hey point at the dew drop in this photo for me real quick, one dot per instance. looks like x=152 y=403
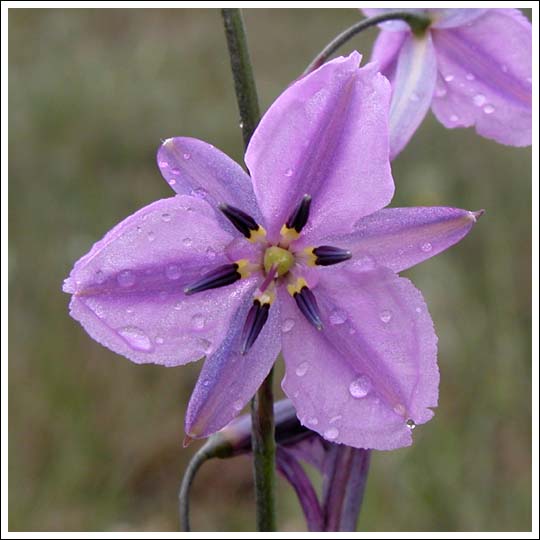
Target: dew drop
x=178 y=306
x=337 y=317
x=440 y=91
x=288 y=325
x=176 y=170
x=129 y=310
x=187 y=242
x=411 y=424
x=198 y=321
x=126 y=278
x=200 y=192
x=151 y=236
x=454 y=118
x=172 y=181
x=187 y=156
x=206 y=382
x=166 y=217
x=400 y=409
x=489 y=109
x=159 y=340
x=241 y=125
x=238 y=406
x=331 y=433
x=313 y=421
x=418 y=310
x=100 y=276
x=449 y=78
x=335 y=419
x=205 y=345
x=211 y=253
x=360 y=387
x=470 y=77
x=426 y=247
x=385 y=316
x=302 y=369
x=163 y=164
x=289 y=173
x=172 y=271
x=479 y=100
x=136 y=338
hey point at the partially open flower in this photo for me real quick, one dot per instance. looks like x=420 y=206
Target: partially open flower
x=472 y=66
x=300 y=257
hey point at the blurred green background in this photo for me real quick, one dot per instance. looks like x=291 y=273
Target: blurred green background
x=95 y=441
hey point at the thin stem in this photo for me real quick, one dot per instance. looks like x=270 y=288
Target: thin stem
x=417 y=22
x=244 y=82
x=202 y=455
x=264 y=454
x=262 y=410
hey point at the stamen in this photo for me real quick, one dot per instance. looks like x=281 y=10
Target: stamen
x=327 y=255
x=243 y=222
x=255 y=320
x=297 y=220
x=220 y=277
x=306 y=302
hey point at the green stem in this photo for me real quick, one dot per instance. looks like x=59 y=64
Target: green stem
x=262 y=410
x=418 y=24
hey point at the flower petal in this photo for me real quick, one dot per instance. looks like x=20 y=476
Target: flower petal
x=399 y=238
x=229 y=379
x=386 y=51
x=325 y=136
x=371 y=368
x=128 y=290
x=452 y=17
x=194 y=167
x=485 y=76
x=413 y=88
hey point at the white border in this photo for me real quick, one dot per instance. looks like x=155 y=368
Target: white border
x=4 y=268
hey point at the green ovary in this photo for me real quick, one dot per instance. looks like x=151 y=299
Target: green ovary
x=279 y=257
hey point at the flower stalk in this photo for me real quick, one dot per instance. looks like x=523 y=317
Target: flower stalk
x=418 y=24
x=262 y=412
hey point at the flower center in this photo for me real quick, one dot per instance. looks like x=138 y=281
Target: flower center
x=279 y=257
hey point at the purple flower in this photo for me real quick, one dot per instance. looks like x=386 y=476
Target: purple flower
x=473 y=66
x=300 y=258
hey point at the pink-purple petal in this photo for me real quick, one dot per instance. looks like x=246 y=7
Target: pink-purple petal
x=413 y=88
x=373 y=366
x=194 y=167
x=452 y=17
x=229 y=379
x=386 y=51
x=398 y=238
x=485 y=76
x=128 y=290
x=326 y=136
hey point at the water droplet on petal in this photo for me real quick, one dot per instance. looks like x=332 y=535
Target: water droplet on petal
x=479 y=100
x=211 y=253
x=302 y=369
x=337 y=317
x=313 y=421
x=385 y=316
x=426 y=247
x=136 y=338
x=151 y=236
x=163 y=164
x=335 y=419
x=166 y=217
x=126 y=278
x=470 y=77
x=159 y=340
x=449 y=78
x=130 y=310
x=206 y=382
x=288 y=325
x=440 y=91
x=176 y=170
x=331 y=433
x=187 y=242
x=198 y=321
x=418 y=310
x=172 y=271
x=171 y=181
x=289 y=172
x=400 y=409
x=411 y=424
x=454 y=118
x=489 y=109
x=100 y=276
x=238 y=406
x=178 y=306
x=187 y=156
x=360 y=387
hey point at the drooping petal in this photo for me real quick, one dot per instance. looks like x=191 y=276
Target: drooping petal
x=398 y=238
x=412 y=89
x=373 y=366
x=229 y=379
x=386 y=51
x=194 y=167
x=452 y=17
x=485 y=71
x=128 y=290
x=325 y=136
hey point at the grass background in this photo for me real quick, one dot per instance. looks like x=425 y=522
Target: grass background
x=95 y=441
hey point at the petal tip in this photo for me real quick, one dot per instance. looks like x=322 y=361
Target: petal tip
x=475 y=216
x=187 y=441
